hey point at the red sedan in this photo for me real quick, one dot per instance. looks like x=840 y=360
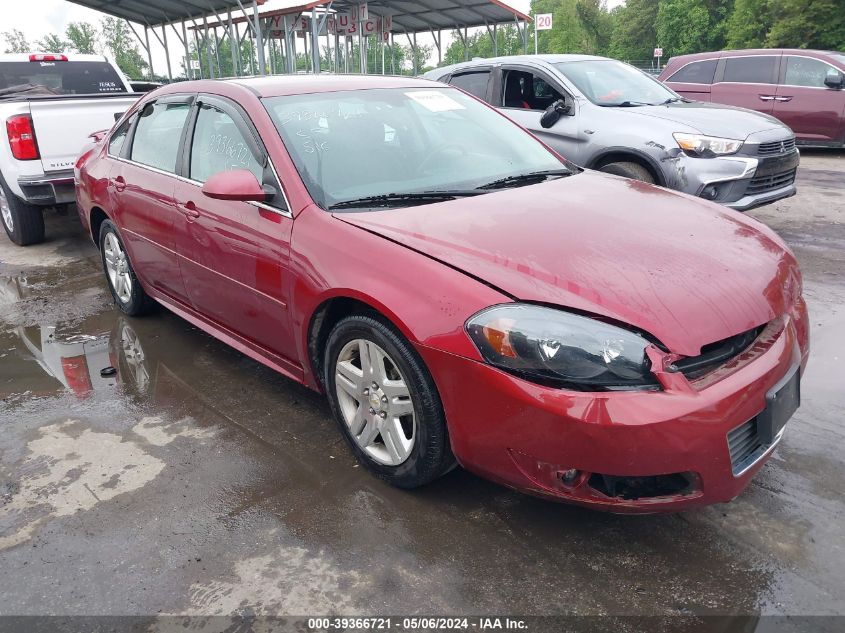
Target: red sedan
x=461 y=293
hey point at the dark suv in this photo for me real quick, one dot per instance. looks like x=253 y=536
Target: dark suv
x=802 y=88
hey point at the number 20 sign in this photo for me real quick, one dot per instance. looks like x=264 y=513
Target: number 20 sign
x=543 y=21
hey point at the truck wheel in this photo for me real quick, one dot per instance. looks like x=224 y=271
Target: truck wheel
x=629 y=170
x=24 y=223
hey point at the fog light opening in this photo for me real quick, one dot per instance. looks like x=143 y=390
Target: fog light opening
x=710 y=192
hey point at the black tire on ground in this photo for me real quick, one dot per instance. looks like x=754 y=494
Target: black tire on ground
x=138 y=301
x=24 y=222
x=633 y=171
x=431 y=454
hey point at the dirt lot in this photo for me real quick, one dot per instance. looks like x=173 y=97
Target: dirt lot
x=196 y=481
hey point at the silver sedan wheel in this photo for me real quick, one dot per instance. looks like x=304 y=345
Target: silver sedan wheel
x=375 y=402
x=6 y=211
x=117 y=268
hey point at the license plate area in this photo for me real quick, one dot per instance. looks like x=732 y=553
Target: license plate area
x=782 y=401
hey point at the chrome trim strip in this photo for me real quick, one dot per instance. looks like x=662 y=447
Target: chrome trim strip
x=282 y=212
x=771 y=447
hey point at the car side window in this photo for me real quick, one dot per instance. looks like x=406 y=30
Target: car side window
x=696 y=72
x=119 y=137
x=219 y=145
x=806 y=71
x=527 y=91
x=474 y=83
x=157 y=134
x=754 y=69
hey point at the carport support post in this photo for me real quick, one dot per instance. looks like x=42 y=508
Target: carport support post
x=149 y=50
x=166 y=53
x=234 y=44
x=259 y=42
x=188 y=72
x=315 y=42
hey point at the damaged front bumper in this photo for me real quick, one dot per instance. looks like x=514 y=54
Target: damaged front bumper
x=625 y=451
x=739 y=182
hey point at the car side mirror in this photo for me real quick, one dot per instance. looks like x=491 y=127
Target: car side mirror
x=834 y=81
x=237 y=184
x=554 y=112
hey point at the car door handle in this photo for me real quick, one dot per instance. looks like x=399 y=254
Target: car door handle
x=189 y=209
x=767 y=97
x=783 y=98
x=119 y=184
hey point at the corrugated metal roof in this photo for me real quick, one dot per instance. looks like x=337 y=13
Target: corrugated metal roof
x=414 y=16
x=155 y=12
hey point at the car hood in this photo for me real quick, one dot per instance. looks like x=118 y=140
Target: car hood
x=712 y=119
x=676 y=267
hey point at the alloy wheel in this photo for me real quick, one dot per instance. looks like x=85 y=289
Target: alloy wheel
x=375 y=402
x=117 y=268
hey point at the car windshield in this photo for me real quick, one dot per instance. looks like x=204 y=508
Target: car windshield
x=606 y=82
x=405 y=145
x=65 y=78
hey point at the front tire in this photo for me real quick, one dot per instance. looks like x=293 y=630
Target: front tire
x=128 y=294
x=24 y=222
x=634 y=171
x=385 y=402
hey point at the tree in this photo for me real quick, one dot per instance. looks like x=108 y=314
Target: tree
x=691 y=26
x=118 y=40
x=52 y=43
x=82 y=37
x=802 y=24
x=749 y=24
x=16 y=41
x=479 y=44
x=634 y=30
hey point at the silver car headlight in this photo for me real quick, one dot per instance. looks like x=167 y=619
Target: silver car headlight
x=700 y=146
x=559 y=349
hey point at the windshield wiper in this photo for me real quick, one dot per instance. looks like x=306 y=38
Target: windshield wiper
x=625 y=104
x=396 y=199
x=673 y=100
x=526 y=179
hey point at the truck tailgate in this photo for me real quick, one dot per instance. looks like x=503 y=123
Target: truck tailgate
x=62 y=125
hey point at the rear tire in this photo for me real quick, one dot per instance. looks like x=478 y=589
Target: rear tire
x=128 y=294
x=24 y=222
x=391 y=416
x=634 y=171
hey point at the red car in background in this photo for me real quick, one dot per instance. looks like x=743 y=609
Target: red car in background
x=459 y=291
x=805 y=89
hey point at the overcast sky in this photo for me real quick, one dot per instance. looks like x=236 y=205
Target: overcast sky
x=37 y=18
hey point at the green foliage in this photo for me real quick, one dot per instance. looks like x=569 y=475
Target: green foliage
x=749 y=24
x=692 y=25
x=480 y=44
x=119 y=40
x=51 y=43
x=802 y=24
x=634 y=29
x=82 y=37
x=16 y=41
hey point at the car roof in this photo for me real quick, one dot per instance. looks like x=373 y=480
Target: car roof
x=515 y=59
x=756 y=51
x=284 y=85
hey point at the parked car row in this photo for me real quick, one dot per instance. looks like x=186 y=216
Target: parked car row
x=606 y=115
x=461 y=292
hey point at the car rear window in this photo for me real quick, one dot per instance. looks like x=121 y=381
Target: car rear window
x=696 y=73
x=756 y=69
x=64 y=78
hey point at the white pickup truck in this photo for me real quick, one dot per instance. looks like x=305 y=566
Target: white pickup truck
x=51 y=104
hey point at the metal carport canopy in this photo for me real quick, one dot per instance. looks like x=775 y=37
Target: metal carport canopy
x=416 y=17
x=160 y=12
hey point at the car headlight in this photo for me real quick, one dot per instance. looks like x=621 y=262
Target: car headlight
x=701 y=146
x=559 y=349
